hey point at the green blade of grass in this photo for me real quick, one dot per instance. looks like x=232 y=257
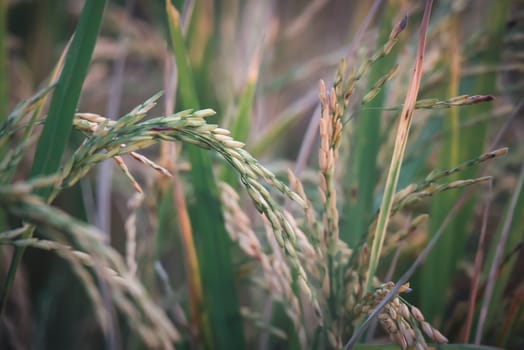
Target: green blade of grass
x=55 y=135
x=452 y=242
x=363 y=168
x=398 y=152
x=187 y=96
x=211 y=240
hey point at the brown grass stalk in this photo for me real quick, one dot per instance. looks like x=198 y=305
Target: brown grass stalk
x=399 y=149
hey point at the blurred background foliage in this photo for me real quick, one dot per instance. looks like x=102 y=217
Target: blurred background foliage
x=258 y=63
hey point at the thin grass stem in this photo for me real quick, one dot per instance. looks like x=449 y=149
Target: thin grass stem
x=398 y=151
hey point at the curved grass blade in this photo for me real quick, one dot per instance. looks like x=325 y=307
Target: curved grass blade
x=55 y=135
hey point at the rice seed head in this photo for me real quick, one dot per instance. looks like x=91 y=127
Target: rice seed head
x=204 y=113
x=417 y=314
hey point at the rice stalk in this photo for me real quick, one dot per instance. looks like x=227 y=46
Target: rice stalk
x=398 y=152
x=106 y=139
x=276 y=274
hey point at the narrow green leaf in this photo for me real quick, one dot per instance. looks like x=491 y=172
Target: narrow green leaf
x=187 y=91
x=211 y=240
x=55 y=135
x=452 y=241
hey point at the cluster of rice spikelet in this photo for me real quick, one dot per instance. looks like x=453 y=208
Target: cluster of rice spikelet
x=302 y=258
x=403 y=322
x=90 y=252
x=429 y=187
x=277 y=279
x=330 y=131
x=111 y=139
x=107 y=139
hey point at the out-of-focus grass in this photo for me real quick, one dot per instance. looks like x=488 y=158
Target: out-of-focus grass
x=434 y=298
x=499 y=270
x=460 y=144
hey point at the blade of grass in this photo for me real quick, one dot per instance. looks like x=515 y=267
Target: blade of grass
x=398 y=151
x=55 y=135
x=173 y=200
x=367 y=140
x=436 y=268
x=211 y=240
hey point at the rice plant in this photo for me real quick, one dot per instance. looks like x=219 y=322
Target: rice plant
x=214 y=241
